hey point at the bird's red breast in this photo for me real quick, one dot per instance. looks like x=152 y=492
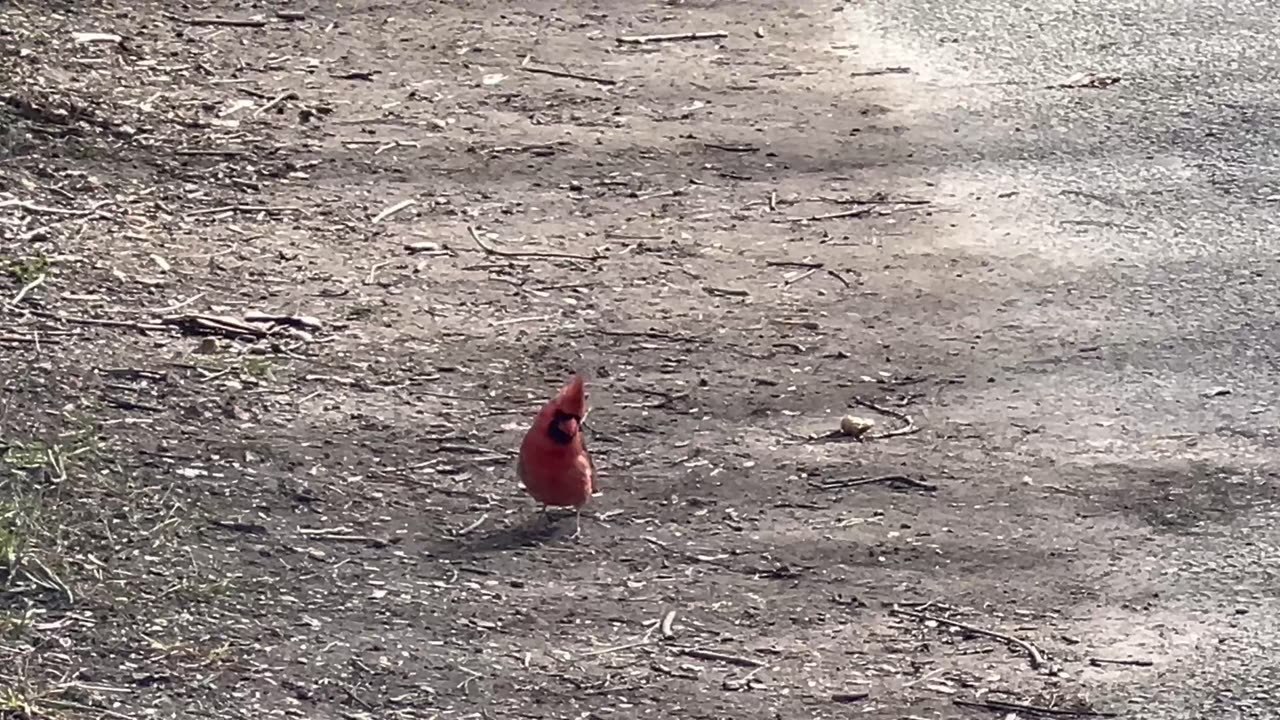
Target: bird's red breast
x=554 y=465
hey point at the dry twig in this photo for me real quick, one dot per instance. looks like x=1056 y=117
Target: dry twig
x=26 y=289
x=25 y=340
x=615 y=648
x=472 y=526
x=341 y=537
x=491 y=250
x=244 y=208
x=909 y=425
x=1135 y=662
x=222 y=22
x=388 y=212
x=1007 y=707
x=739 y=660
x=811 y=266
x=855 y=482
x=860 y=212
x=46 y=210
x=671 y=37
x=1033 y=653
x=287 y=95
x=726 y=292
x=567 y=74
x=102 y=322
x=200 y=324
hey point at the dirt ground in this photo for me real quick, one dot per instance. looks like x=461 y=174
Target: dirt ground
x=312 y=513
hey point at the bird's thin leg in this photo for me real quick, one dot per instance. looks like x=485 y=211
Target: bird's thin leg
x=577 y=524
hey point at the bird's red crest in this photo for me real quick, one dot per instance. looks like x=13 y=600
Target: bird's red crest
x=572 y=399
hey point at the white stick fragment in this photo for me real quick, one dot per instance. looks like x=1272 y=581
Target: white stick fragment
x=26 y=289
x=83 y=38
x=287 y=95
x=672 y=37
x=393 y=210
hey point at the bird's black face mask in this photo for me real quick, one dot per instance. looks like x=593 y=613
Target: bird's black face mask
x=564 y=428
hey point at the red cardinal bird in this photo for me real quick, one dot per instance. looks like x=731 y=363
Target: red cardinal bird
x=554 y=465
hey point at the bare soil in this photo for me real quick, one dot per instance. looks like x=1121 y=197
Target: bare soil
x=212 y=514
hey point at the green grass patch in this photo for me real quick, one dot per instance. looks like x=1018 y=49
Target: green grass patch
x=27 y=269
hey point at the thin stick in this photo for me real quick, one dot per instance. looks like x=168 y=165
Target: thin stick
x=800 y=277
x=723 y=657
x=796 y=264
x=1001 y=706
x=224 y=22
x=178 y=305
x=727 y=292
x=98 y=321
x=472 y=526
x=616 y=648
x=650 y=334
x=673 y=37
x=1033 y=653
x=45 y=210
x=287 y=95
x=874 y=200
x=519 y=320
x=208 y=153
x=244 y=208
x=393 y=210
x=566 y=74
x=833 y=216
x=742 y=682
x=1120 y=661
x=838 y=276
x=855 y=482
x=26 y=289
x=490 y=250
x=908 y=427
x=881 y=71
x=339 y=537
x=33 y=340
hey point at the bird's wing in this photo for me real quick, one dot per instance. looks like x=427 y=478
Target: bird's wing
x=592 y=465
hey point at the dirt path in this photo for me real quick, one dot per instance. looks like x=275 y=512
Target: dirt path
x=280 y=518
